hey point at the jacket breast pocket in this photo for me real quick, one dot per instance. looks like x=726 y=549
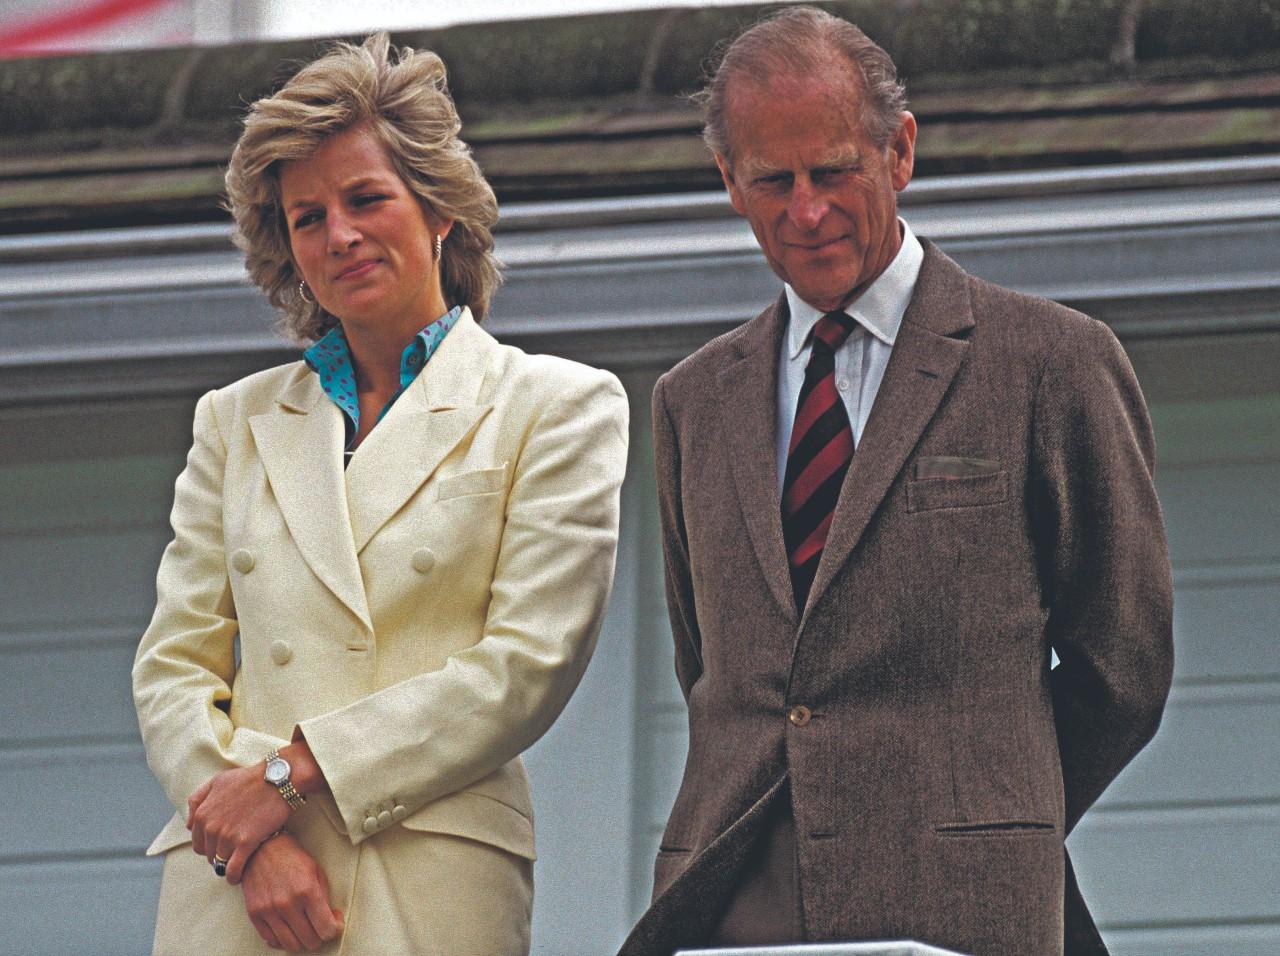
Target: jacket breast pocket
x=968 y=491
x=482 y=481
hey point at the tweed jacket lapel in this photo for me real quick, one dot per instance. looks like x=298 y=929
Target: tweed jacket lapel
x=426 y=423
x=924 y=360
x=749 y=401
x=300 y=444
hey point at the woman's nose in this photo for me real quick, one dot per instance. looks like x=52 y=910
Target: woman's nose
x=342 y=233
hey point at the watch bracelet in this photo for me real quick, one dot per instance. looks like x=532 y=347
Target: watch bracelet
x=286 y=789
x=295 y=799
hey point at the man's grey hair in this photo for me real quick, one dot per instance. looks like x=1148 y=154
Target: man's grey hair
x=804 y=41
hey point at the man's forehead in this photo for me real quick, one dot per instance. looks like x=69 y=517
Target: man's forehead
x=774 y=97
x=840 y=81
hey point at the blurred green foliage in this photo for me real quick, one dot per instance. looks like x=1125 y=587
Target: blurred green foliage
x=587 y=58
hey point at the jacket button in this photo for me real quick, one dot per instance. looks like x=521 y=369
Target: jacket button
x=370 y=824
x=242 y=561
x=423 y=560
x=399 y=812
x=799 y=715
x=384 y=818
x=281 y=652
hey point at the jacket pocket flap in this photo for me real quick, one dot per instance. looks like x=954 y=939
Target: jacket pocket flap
x=948 y=467
x=968 y=492
x=175 y=833
x=476 y=817
x=479 y=482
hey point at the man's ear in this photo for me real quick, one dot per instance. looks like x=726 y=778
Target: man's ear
x=902 y=152
x=735 y=194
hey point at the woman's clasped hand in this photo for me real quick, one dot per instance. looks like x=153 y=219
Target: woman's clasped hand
x=230 y=815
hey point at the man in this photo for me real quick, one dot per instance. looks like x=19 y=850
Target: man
x=885 y=501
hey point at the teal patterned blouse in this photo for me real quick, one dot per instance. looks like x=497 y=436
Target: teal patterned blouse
x=330 y=358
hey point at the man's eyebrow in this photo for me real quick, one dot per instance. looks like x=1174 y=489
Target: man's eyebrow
x=755 y=170
x=848 y=157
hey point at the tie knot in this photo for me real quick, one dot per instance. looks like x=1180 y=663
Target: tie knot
x=832 y=329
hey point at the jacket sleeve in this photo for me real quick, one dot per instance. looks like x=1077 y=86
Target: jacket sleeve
x=440 y=731
x=1104 y=562
x=675 y=546
x=185 y=665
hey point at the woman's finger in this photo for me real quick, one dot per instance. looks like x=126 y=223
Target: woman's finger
x=284 y=935
x=197 y=836
x=264 y=930
x=303 y=931
x=236 y=863
x=197 y=798
x=324 y=919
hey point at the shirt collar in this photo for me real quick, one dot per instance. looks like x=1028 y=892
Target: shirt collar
x=330 y=358
x=879 y=309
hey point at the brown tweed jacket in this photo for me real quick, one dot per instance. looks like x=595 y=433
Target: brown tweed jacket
x=1000 y=505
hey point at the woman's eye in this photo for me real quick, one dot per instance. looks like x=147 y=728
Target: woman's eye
x=368 y=199
x=306 y=219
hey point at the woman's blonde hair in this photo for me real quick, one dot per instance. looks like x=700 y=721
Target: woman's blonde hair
x=403 y=97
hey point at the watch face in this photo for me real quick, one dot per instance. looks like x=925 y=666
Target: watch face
x=277 y=771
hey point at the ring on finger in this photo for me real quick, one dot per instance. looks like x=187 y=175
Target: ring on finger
x=219 y=866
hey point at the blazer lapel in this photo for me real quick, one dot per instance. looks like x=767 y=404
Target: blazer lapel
x=749 y=393
x=924 y=360
x=425 y=424
x=300 y=444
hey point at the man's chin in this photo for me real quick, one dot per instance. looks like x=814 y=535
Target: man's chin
x=824 y=298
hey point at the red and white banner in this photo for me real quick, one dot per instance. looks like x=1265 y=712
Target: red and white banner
x=44 y=27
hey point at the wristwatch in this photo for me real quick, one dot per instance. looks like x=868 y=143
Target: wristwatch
x=277 y=774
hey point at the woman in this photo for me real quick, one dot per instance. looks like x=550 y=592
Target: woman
x=412 y=533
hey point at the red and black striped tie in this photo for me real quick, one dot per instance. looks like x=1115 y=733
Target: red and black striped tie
x=818 y=456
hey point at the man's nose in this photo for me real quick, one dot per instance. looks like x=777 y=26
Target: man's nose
x=342 y=232
x=807 y=206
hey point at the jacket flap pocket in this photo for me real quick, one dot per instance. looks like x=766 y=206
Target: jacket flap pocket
x=175 y=833
x=947 y=467
x=969 y=492
x=479 y=482
x=476 y=817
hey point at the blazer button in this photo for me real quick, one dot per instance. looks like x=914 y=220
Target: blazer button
x=423 y=560
x=281 y=652
x=799 y=715
x=370 y=824
x=399 y=812
x=242 y=561
x=384 y=818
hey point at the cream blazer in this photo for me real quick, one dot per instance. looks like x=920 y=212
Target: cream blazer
x=422 y=616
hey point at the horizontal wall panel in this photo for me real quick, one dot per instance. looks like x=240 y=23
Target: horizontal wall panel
x=81 y=908
x=51 y=496
x=1211 y=865
x=81 y=579
x=90 y=682
x=1216 y=744
x=1230 y=940
x=1237 y=429
x=1221 y=514
x=1225 y=626
x=78 y=800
